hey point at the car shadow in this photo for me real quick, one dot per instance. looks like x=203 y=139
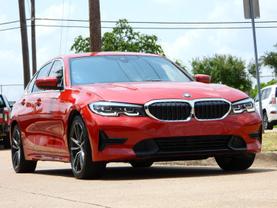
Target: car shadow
x=156 y=172
x=2 y=148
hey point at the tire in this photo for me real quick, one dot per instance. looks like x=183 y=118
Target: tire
x=236 y=162
x=141 y=164
x=82 y=163
x=20 y=165
x=266 y=124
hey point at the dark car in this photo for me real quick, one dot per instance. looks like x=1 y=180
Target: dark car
x=4 y=121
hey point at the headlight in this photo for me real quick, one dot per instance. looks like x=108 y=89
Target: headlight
x=116 y=109
x=244 y=105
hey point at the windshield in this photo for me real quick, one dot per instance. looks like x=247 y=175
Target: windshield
x=109 y=69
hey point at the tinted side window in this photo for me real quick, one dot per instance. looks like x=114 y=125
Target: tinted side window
x=31 y=84
x=57 y=71
x=43 y=72
x=266 y=93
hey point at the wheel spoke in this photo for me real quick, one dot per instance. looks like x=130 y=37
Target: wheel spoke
x=75 y=141
x=82 y=159
x=76 y=131
x=76 y=162
x=14 y=147
x=75 y=148
x=81 y=137
x=16 y=158
x=16 y=144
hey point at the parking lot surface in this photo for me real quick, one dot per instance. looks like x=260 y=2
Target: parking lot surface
x=53 y=185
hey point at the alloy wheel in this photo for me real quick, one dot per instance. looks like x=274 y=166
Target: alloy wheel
x=77 y=147
x=16 y=148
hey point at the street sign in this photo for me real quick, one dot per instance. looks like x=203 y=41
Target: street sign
x=256 y=8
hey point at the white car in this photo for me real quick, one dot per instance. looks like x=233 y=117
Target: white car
x=269 y=105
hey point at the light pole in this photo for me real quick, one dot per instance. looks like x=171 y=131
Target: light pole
x=252 y=11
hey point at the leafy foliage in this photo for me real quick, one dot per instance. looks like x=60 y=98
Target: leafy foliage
x=81 y=45
x=225 y=69
x=270 y=59
x=252 y=68
x=122 y=38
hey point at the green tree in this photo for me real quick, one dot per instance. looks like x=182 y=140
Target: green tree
x=122 y=38
x=270 y=59
x=225 y=69
x=252 y=68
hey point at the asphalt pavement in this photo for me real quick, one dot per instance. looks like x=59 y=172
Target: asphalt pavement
x=53 y=185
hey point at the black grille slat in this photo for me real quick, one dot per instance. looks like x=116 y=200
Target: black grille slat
x=170 y=110
x=211 y=109
x=181 y=110
x=190 y=144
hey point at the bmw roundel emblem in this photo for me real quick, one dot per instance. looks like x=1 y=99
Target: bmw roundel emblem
x=187 y=95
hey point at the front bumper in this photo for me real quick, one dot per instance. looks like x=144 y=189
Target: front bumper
x=123 y=134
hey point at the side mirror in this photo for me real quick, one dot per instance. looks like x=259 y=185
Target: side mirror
x=47 y=83
x=202 y=78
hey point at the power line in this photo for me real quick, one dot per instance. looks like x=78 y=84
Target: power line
x=10 y=22
x=152 y=22
x=166 y=28
x=150 y=28
x=163 y=22
x=9 y=28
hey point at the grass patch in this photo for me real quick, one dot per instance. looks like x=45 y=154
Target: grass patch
x=269 y=141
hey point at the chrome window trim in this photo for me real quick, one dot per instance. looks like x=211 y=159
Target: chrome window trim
x=192 y=104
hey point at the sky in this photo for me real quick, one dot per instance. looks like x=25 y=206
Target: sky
x=183 y=45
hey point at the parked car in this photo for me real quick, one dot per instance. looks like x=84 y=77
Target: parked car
x=269 y=106
x=92 y=109
x=4 y=121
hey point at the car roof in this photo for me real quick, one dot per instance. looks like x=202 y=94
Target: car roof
x=270 y=86
x=106 y=54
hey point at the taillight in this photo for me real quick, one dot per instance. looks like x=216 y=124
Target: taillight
x=273 y=100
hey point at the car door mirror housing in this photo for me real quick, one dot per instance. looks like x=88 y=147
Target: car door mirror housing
x=202 y=78
x=48 y=83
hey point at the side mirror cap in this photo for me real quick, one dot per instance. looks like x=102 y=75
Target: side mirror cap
x=47 y=83
x=202 y=78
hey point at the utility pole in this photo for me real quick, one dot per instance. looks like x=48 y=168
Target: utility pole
x=33 y=34
x=94 y=25
x=24 y=42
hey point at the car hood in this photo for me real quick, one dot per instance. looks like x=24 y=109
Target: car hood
x=141 y=92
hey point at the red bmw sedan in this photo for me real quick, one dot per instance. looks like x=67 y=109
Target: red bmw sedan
x=95 y=108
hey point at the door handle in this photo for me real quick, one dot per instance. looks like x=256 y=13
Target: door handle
x=38 y=102
x=23 y=102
